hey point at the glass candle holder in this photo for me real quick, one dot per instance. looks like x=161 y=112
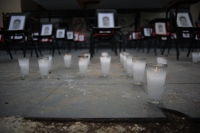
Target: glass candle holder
x=24 y=66
x=124 y=60
x=156 y=76
x=105 y=64
x=162 y=59
x=129 y=62
x=43 y=66
x=50 y=62
x=139 y=65
x=121 y=57
x=88 y=56
x=104 y=54
x=83 y=64
x=195 y=57
x=67 y=60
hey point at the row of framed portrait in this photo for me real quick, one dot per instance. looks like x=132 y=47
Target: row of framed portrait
x=70 y=35
x=17 y=22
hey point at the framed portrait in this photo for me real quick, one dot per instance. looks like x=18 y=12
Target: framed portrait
x=81 y=37
x=46 y=29
x=60 y=33
x=35 y=34
x=76 y=36
x=147 y=32
x=106 y=20
x=183 y=20
x=70 y=35
x=17 y=22
x=186 y=34
x=160 y=28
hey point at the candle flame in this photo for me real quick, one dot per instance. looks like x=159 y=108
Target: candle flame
x=42 y=61
x=81 y=58
x=156 y=69
x=66 y=55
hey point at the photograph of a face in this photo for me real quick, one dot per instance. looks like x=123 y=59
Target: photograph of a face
x=160 y=28
x=186 y=34
x=81 y=38
x=75 y=36
x=106 y=20
x=70 y=35
x=17 y=23
x=60 y=33
x=147 y=31
x=46 y=29
x=183 y=20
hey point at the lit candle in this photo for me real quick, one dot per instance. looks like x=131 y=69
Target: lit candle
x=43 y=66
x=67 y=60
x=88 y=56
x=105 y=64
x=121 y=56
x=156 y=75
x=50 y=62
x=104 y=54
x=24 y=66
x=195 y=57
x=138 y=70
x=129 y=65
x=83 y=64
x=162 y=59
x=124 y=60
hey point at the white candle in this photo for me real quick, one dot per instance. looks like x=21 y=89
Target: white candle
x=67 y=60
x=50 y=62
x=24 y=66
x=195 y=57
x=129 y=65
x=104 y=54
x=88 y=57
x=162 y=59
x=156 y=75
x=43 y=66
x=199 y=56
x=138 y=69
x=105 y=64
x=124 y=60
x=121 y=56
x=83 y=65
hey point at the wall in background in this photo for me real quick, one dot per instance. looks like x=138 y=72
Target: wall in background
x=195 y=10
x=148 y=16
x=8 y=6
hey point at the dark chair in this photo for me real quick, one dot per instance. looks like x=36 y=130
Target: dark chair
x=181 y=23
x=70 y=38
x=106 y=29
x=19 y=25
x=159 y=33
x=46 y=36
x=145 y=36
x=60 y=36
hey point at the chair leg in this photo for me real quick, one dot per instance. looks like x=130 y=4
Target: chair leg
x=165 y=45
x=177 y=49
x=191 y=46
x=155 y=45
x=8 y=49
x=170 y=42
x=150 y=41
x=58 y=48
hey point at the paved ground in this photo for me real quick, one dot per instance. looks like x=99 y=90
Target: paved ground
x=67 y=95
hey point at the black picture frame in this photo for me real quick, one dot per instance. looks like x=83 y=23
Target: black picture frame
x=17 y=22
